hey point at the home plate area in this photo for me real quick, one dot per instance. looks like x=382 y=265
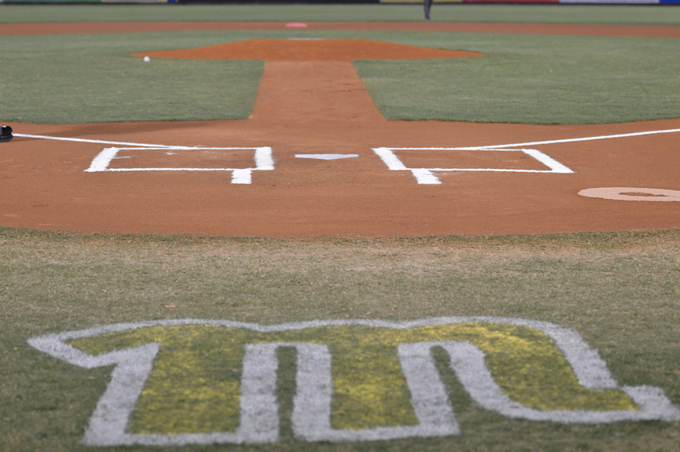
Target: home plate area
x=316 y=157
x=328 y=178
x=241 y=162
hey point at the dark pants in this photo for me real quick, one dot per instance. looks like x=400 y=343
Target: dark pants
x=427 y=4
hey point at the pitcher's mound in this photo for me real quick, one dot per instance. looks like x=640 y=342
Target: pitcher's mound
x=309 y=50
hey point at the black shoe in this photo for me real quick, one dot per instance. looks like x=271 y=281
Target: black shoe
x=5 y=134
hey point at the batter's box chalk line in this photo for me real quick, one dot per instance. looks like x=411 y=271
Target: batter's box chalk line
x=426 y=176
x=265 y=162
x=262 y=158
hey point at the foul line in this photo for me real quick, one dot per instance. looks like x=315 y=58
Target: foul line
x=573 y=140
x=534 y=143
x=473 y=148
x=120 y=143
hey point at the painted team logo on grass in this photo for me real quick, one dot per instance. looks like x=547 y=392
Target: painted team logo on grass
x=203 y=381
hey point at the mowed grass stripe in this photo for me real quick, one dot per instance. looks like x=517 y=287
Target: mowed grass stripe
x=618 y=290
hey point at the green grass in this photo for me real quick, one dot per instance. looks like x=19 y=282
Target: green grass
x=93 y=78
x=640 y=15
x=554 y=79
x=522 y=79
x=619 y=290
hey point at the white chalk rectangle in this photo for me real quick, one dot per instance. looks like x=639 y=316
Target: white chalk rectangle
x=426 y=176
x=262 y=160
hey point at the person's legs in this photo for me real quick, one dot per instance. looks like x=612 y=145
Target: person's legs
x=427 y=4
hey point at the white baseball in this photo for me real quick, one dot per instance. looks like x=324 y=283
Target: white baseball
x=147 y=59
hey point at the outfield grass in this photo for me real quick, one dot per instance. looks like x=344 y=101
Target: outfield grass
x=521 y=79
x=619 y=290
x=50 y=79
x=591 y=14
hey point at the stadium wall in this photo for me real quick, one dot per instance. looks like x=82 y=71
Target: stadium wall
x=572 y=2
x=579 y=2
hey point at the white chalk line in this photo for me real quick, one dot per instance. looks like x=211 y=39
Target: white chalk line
x=567 y=140
x=426 y=175
x=132 y=170
x=326 y=156
x=264 y=161
x=472 y=148
x=117 y=143
x=262 y=157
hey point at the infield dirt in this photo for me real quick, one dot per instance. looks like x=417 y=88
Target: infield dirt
x=316 y=104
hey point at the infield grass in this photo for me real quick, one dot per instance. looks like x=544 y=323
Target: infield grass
x=620 y=291
x=521 y=79
x=93 y=78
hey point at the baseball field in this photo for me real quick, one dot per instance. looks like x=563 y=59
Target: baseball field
x=336 y=227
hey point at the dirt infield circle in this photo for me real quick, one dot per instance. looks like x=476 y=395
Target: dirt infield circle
x=317 y=158
x=632 y=194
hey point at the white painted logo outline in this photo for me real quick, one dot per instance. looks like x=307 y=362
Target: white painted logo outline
x=263 y=161
x=425 y=176
x=311 y=412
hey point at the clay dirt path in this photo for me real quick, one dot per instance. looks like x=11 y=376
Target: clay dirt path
x=311 y=104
